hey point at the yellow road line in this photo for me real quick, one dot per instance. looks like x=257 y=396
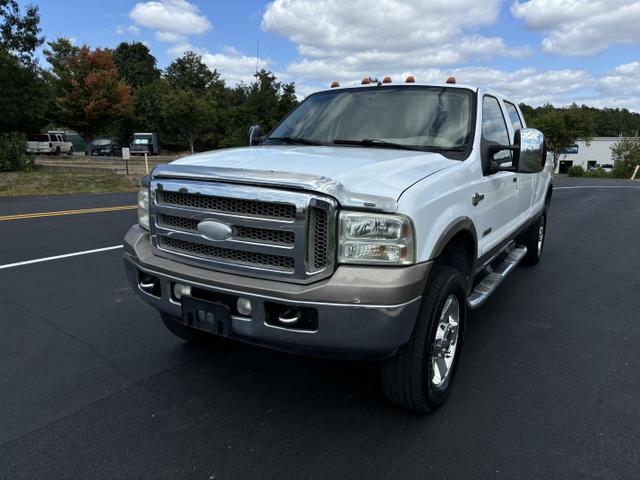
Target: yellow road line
x=67 y=212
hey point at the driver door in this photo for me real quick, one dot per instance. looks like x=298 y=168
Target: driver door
x=496 y=209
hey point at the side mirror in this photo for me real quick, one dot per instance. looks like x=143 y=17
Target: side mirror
x=255 y=135
x=506 y=165
x=529 y=153
x=532 y=153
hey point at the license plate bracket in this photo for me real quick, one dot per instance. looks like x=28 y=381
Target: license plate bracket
x=208 y=316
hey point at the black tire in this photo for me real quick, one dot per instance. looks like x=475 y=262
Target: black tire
x=533 y=239
x=57 y=151
x=182 y=331
x=70 y=151
x=407 y=376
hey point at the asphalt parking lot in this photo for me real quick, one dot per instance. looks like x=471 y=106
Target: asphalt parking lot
x=93 y=386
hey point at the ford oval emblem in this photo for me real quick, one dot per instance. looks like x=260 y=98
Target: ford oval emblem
x=214 y=230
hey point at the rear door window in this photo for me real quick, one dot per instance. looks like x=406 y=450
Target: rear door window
x=514 y=116
x=494 y=126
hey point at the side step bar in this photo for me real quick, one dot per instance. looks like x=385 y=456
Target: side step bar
x=488 y=284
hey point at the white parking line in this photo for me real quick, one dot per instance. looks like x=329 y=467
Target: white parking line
x=597 y=186
x=57 y=257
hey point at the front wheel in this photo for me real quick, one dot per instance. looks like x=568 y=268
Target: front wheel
x=70 y=151
x=533 y=239
x=419 y=376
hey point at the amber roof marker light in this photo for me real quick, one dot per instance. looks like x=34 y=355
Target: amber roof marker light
x=386 y=80
x=451 y=80
x=410 y=79
x=365 y=81
x=335 y=84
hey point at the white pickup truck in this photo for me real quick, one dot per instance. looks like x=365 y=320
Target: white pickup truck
x=365 y=225
x=49 y=143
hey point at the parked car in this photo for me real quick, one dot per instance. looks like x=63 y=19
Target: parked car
x=106 y=146
x=145 y=143
x=367 y=224
x=49 y=143
x=607 y=167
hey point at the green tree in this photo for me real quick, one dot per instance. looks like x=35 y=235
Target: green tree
x=264 y=102
x=190 y=72
x=189 y=113
x=23 y=90
x=24 y=95
x=136 y=66
x=563 y=127
x=92 y=96
x=626 y=156
x=19 y=33
x=190 y=102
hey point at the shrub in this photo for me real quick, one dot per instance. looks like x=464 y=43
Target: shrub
x=576 y=171
x=626 y=155
x=12 y=153
x=599 y=172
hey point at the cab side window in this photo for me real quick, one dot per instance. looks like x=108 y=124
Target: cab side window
x=494 y=126
x=514 y=116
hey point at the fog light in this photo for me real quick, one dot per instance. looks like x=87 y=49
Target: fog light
x=244 y=306
x=179 y=290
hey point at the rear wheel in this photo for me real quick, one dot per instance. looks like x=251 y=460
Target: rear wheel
x=419 y=376
x=533 y=239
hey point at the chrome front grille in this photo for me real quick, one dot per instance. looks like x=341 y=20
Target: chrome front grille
x=266 y=235
x=227 y=254
x=273 y=233
x=249 y=234
x=317 y=234
x=232 y=206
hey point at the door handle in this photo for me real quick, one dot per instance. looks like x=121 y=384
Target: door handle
x=477 y=198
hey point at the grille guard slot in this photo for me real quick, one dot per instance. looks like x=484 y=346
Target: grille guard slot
x=275 y=240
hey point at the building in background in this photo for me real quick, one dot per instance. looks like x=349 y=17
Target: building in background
x=598 y=152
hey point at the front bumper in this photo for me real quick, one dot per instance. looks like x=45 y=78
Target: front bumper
x=362 y=312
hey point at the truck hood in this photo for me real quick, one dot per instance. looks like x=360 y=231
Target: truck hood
x=354 y=171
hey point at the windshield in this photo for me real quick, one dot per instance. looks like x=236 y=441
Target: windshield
x=423 y=117
x=102 y=141
x=141 y=141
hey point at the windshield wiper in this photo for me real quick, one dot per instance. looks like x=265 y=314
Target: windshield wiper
x=295 y=140
x=374 y=142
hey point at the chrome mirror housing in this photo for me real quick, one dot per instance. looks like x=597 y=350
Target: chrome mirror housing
x=532 y=152
x=255 y=134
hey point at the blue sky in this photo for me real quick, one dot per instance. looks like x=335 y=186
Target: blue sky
x=539 y=51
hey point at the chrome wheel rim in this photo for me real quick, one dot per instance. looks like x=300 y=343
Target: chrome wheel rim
x=445 y=341
x=540 y=238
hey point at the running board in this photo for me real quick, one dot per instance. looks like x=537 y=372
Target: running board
x=488 y=284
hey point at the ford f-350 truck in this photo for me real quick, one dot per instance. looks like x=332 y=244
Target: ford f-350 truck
x=365 y=225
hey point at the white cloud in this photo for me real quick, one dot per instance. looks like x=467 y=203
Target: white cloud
x=233 y=66
x=624 y=79
x=120 y=30
x=526 y=85
x=173 y=20
x=169 y=37
x=618 y=88
x=581 y=27
x=338 y=38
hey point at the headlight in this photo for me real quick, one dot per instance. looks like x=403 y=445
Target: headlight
x=372 y=238
x=143 y=206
